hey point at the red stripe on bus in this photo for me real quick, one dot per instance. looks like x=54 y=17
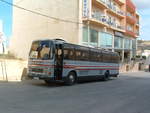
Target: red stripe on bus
x=88 y=66
x=41 y=65
x=72 y=66
x=98 y=69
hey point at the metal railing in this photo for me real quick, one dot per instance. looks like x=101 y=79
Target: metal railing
x=114 y=9
x=104 y=19
x=99 y=17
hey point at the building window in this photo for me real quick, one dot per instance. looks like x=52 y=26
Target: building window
x=105 y=39
x=134 y=44
x=129 y=28
x=85 y=34
x=127 y=44
x=118 y=42
x=93 y=37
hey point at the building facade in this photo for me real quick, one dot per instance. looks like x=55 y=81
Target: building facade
x=108 y=24
x=111 y=24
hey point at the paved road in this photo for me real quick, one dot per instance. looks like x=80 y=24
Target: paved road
x=130 y=93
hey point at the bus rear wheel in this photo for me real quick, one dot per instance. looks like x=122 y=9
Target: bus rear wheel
x=106 y=76
x=71 y=78
x=47 y=81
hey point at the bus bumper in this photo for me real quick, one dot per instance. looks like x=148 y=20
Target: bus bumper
x=40 y=77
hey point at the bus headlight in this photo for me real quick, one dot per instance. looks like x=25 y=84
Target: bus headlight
x=47 y=72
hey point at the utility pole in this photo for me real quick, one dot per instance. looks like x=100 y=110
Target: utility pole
x=3 y=62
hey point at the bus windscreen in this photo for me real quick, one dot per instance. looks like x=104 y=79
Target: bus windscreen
x=41 y=50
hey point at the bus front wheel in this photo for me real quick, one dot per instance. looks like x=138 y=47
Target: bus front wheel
x=71 y=78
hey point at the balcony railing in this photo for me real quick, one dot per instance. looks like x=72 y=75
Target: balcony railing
x=130 y=15
x=137 y=22
x=115 y=25
x=99 y=17
x=121 y=2
x=131 y=18
x=130 y=5
x=131 y=33
x=116 y=10
x=103 y=1
x=120 y=27
x=137 y=33
x=105 y=21
x=112 y=7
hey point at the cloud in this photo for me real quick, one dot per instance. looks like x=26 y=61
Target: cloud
x=142 y=4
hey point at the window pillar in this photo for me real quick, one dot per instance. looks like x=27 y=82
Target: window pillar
x=113 y=43
x=123 y=51
x=88 y=34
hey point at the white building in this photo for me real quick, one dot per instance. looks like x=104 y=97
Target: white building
x=98 y=23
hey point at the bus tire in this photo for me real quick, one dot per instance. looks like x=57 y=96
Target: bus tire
x=47 y=81
x=71 y=79
x=106 y=76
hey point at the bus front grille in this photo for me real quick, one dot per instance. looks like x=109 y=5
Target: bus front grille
x=37 y=70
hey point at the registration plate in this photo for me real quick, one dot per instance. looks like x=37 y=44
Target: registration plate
x=36 y=78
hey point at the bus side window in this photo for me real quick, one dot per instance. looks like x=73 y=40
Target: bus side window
x=71 y=54
x=110 y=58
x=96 y=56
x=99 y=56
x=66 y=54
x=106 y=57
x=78 y=55
x=116 y=59
x=93 y=56
x=113 y=58
x=84 y=55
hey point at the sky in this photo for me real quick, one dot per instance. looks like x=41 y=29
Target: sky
x=6 y=17
x=143 y=8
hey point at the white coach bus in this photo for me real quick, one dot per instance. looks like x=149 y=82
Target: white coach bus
x=57 y=60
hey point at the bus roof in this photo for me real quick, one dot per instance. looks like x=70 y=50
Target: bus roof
x=58 y=40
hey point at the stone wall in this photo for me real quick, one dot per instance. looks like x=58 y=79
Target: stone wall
x=12 y=70
x=129 y=67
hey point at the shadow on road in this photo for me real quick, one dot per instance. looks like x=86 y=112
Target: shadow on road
x=43 y=84
x=61 y=84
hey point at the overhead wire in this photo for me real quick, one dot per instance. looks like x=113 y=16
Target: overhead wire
x=38 y=13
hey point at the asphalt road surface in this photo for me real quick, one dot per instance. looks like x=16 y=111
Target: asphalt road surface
x=130 y=93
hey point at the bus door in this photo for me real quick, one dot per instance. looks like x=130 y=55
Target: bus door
x=58 y=70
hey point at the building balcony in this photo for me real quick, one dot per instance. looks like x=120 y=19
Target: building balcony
x=114 y=11
x=137 y=23
x=100 y=3
x=120 y=2
x=116 y=27
x=137 y=19
x=137 y=33
x=111 y=8
x=130 y=6
x=97 y=20
x=130 y=33
x=130 y=19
